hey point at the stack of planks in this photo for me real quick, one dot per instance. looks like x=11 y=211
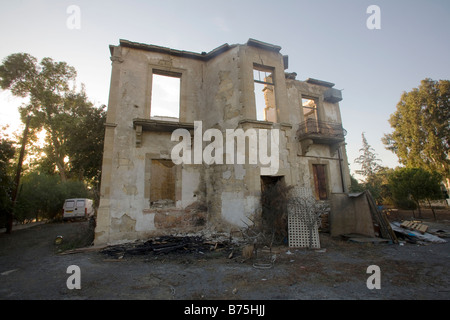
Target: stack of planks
x=414 y=225
x=380 y=218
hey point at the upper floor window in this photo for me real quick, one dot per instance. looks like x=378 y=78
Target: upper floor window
x=264 y=93
x=165 y=94
x=309 y=107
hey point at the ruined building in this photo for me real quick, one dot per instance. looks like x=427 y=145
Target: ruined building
x=144 y=192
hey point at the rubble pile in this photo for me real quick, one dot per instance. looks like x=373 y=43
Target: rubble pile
x=418 y=233
x=165 y=245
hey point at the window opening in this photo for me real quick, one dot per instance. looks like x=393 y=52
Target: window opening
x=165 y=101
x=309 y=107
x=264 y=93
x=162 y=182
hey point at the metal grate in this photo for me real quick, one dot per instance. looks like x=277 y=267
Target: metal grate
x=299 y=217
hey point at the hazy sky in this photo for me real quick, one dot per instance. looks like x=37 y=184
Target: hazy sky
x=324 y=39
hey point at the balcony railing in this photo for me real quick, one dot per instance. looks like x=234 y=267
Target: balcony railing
x=321 y=132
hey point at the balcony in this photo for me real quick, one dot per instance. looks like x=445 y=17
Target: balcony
x=320 y=132
x=157 y=125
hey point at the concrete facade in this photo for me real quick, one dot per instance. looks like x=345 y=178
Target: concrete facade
x=143 y=193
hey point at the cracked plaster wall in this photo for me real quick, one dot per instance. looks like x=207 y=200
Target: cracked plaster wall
x=219 y=92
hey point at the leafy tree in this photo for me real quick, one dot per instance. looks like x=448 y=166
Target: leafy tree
x=421 y=123
x=368 y=160
x=372 y=171
x=46 y=85
x=415 y=183
x=42 y=195
x=85 y=145
x=54 y=105
x=355 y=185
x=378 y=185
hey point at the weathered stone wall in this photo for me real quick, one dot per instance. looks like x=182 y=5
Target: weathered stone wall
x=219 y=91
x=124 y=209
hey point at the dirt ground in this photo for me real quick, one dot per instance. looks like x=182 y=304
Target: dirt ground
x=32 y=267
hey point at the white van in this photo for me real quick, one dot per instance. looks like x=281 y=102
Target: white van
x=78 y=208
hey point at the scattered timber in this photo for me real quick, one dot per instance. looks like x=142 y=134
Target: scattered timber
x=165 y=245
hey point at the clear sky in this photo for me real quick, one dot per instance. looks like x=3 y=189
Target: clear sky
x=324 y=39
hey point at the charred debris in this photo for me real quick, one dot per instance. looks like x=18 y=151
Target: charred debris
x=164 y=245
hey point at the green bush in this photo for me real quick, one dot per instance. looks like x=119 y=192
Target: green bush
x=414 y=184
x=6 y=177
x=405 y=204
x=42 y=196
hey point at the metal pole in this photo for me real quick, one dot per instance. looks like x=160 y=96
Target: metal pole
x=340 y=169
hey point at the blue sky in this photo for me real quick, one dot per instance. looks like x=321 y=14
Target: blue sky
x=324 y=39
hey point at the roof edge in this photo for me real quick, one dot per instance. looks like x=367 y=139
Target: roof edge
x=174 y=52
x=193 y=55
x=320 y=82
x=264 y=45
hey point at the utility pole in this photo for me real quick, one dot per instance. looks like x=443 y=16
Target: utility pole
x=17 y=178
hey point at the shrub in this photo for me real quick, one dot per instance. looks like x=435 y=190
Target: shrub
x=43 y=195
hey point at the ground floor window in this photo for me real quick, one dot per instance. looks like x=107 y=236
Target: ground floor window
x=162 y=181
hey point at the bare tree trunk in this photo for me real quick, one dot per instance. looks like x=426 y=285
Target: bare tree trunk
x=62 y=170
x=17 y=178
x=418 y=207
x=59 y=158
x=432 y=210
x=420 y=211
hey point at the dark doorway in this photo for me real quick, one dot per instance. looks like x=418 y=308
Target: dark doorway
x=274 y=197
x=320 y=181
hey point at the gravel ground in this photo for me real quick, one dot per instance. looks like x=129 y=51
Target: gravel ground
x=31 y=268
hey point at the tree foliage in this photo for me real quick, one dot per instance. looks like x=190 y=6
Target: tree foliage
x=71 y=157
x=378 y=185
x=72 y=124
x=42 y=195
x=7 y=152
x=85 y=145
x=47 y=85
x=415 y=184
x=355 y=185
x=368 y=160
x=421 y=123
x=373 y=173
